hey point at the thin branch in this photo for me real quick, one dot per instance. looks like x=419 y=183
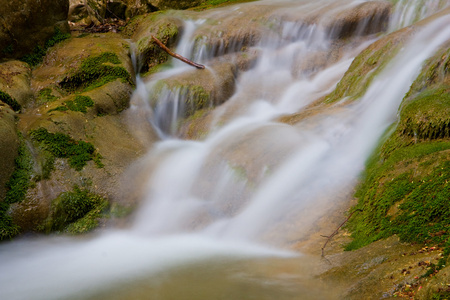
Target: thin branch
x=177 y=56
x=336 y=231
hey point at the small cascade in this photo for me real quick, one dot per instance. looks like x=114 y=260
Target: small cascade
x=406 y=12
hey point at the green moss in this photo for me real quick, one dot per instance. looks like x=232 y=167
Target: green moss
x=76 y=211
x=6 y=98
x=7 y=228
x=45 y=95
x=18 y=183
x=16 y=189
x=197 y=98
x=35 y=57
x=95 y=72
x=63 y=146
x=165 y=31
x=363 y=70
x=405 y=187
x=428 y=116
x=80 y=104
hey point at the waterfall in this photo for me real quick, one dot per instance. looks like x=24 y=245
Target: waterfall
x=236 y=194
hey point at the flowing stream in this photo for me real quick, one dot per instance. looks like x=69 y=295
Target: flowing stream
x=218 y=214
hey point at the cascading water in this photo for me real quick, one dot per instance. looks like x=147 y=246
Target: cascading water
x=233 y=196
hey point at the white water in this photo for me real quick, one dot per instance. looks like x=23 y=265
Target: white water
x=205 y=199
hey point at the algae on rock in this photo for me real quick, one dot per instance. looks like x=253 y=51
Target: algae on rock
x=405 y=187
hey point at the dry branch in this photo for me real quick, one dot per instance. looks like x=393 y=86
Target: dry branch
x=336 y=231
x=177 y=56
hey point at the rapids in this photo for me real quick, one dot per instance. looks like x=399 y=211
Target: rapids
x=218 y=211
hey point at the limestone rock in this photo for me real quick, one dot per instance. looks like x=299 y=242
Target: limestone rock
x=366 y=18
x=164 y=28
x=9 y=144
x=15 y=77
x=175 y=4
x=97 y=11
x=24 y=24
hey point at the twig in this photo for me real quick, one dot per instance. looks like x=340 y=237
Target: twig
x=336 y=231
x=177 y=56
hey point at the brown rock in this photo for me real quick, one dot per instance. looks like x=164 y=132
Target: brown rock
x=9 y=144
x=24 y=24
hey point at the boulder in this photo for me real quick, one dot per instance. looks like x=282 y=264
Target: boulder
x=9 y=143
x=97 y=11
x=366 y=18
x=24 y=24
x=189 y=92
x=81 y=88
x=163 y=27
x=15 y=78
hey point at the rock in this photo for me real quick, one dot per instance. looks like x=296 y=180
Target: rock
x=366 y=18
x=130 y=8
x=97 y=11
x=65 y=60
x=28 y=23
x=175 y=4
x=15 y=80
x=82 y=87
x=9 y=143
x=163 y=27
x=200 y=89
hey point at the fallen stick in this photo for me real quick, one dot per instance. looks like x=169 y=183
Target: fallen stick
x=336 y=231
x=177 y=56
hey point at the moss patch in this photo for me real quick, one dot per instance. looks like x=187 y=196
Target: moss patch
x=80 y=104
x=95 y=72
x=17 y=187
x=18 y=184
x=364 y=68
x=63 y=146
x=35 y=57
x=45 y=95
x=167 y=32
x=76 y=211
x=8 y=229
x=428 y=117
x=406 y=186
x=6 y=98
x=405 y=196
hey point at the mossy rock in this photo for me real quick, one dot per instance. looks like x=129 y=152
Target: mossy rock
x=367 y=65
x=84 y=63
x=15 y=80
x=61 y=145
x=111 y=98
x=165 y=28
x=199 y=89
x=75 y=211
x=372 y=60
x=8 y=146
x=405 y=187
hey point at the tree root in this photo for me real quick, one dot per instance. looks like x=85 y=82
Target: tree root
x=336 y=231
